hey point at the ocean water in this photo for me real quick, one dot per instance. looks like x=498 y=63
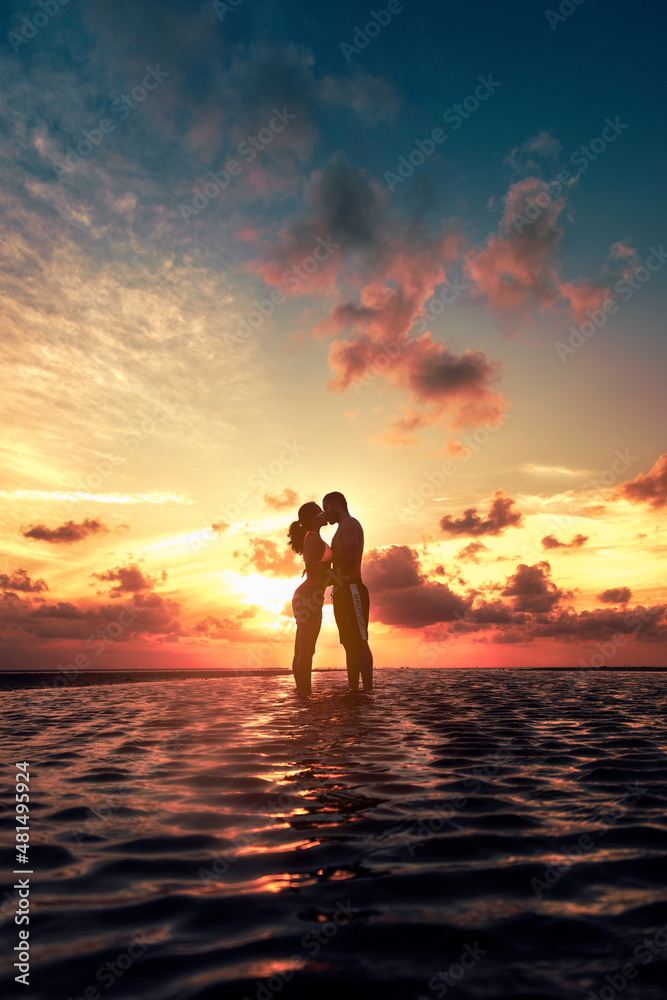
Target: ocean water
x=470 y=834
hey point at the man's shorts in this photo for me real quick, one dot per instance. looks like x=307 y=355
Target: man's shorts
x=351 y=605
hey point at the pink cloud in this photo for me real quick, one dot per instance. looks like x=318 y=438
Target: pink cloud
x=517 y=271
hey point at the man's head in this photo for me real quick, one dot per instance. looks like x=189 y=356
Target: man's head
x=335 y=507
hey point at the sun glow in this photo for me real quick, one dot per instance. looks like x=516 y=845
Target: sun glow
x=270 y=593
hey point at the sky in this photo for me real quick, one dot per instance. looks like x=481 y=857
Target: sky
x=253 y=252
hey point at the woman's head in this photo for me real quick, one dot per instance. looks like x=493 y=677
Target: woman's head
x=311 y=517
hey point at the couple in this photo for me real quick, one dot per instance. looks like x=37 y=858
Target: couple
x=350 y=596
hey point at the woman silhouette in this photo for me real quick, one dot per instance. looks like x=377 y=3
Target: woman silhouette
x=304 y=539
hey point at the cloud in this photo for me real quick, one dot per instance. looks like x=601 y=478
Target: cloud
x=604 y=623
x=149 y=614
x=219 y=527
x=280 y=501
x=63 y=609
x=516 y=273
x=551 y=470
x=551 y=542
x=372 y=98
x=250 y=612
x=532 y=589
x=543 y=144
x=19 y=580
x=66 y=533
x=216 y=628
x=379 y=278
x=650 y=488
x=157 y=614
x=395 y=568
x=456 y=449
x=401 y=595
x=471 y=551
x=267 y=558
x=615 y=595
x=494 y=613
x=130 y=579
x=500 y=517
x=592 y=510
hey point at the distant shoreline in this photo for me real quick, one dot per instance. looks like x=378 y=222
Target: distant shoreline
x=16 y=680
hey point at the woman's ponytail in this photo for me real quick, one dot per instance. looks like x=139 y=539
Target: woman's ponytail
x=296 y=535
x=298 y=530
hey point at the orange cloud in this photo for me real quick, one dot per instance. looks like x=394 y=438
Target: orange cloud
x=66 y=533
x=266 y=557
x=19 y=580
x=551 y=542
x=650 y=488
x=281 y=501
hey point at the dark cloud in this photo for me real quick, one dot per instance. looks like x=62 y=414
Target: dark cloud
x=394 y=568
x=157 y=614
x=147 y=614
x=130 y=579
x=342 y=203
x=532 y=589
x=603 y=623
x=650 y=488
x=495 y=613
x=615 y=595
x=401 y=594
x=281 y=501
x=513 y=636
x=19 y=580
x=551 y=542
x=63 y=609
x=500 y=516
x=67 y=532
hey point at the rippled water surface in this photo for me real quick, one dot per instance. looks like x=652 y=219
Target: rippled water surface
x=227 y=838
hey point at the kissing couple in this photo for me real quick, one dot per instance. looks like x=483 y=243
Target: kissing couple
x=338 y=566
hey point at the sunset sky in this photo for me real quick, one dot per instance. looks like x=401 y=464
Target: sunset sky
x=253 y=252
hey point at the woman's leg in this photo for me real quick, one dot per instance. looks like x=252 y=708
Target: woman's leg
x=308 y=616
x=304 y=651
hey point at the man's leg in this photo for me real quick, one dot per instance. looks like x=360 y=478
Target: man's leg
x=352 y=661
x=359 y=662
x=363 y=658
x=365 y=661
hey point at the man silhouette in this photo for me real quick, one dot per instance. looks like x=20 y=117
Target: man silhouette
x=350 y=597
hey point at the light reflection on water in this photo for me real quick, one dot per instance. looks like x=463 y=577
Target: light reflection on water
x=226 y=819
